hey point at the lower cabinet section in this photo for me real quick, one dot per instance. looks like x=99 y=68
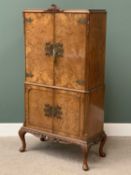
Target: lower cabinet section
x=65 y=116
x=55 y=111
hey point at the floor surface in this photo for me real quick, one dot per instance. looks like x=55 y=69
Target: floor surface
x=48 y=158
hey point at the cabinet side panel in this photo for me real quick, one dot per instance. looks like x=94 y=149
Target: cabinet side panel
x=97 y=38
x=95 y=115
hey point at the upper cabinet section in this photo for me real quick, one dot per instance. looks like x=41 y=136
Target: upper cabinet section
x=65 y=48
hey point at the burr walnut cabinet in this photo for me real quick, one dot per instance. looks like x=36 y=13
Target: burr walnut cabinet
x=64 y=77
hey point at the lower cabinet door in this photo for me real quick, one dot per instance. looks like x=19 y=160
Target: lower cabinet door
x=38 y=107
x=69 y=115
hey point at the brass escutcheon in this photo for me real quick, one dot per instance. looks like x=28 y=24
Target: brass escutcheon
x=54 y=49
x=52 y=111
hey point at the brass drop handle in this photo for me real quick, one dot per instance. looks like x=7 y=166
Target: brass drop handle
x=54 y=52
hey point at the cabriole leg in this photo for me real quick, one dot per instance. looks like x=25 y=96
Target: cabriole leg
x=102 y=143
x=22 y=133
x=85 y=149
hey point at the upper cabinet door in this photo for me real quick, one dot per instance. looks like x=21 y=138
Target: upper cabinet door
x=39 y=33
x=71 y=31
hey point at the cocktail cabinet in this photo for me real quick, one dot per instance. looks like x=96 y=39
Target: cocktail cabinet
x=64 y=77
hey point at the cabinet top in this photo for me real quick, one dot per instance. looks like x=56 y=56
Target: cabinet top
x=67 y=11
x=55 y=9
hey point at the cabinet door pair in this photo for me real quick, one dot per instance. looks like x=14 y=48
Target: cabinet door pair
x=54 y=111
x=55 y=48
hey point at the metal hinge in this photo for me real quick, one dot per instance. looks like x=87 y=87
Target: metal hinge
x=29 y=74
x=80 y=82
x=83 y=21
x=28 y=20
